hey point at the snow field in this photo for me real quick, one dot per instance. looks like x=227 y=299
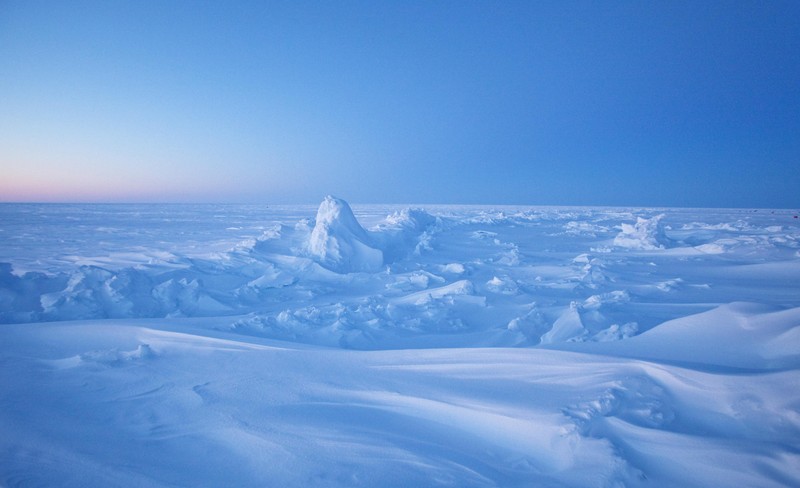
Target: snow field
x=451 y=346
x=117 y=402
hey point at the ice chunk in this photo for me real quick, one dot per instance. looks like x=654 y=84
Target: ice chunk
x=414 y=219
x=409 y=231
x=568 y=327
x=454 y=268
x=505 y=286
x=532 y=325
x=645 y=234
x=459 y=288
x=594 y=302
x=616 y=332
x=339 y=243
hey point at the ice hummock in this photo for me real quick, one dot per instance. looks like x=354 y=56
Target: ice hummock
x=644 y=235
x=338 y=241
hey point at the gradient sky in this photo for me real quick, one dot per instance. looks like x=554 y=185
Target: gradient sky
x=646 y=103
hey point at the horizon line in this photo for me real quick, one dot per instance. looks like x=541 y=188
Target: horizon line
x=410 y=204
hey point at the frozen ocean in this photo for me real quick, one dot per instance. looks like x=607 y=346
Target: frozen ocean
x=391 y=345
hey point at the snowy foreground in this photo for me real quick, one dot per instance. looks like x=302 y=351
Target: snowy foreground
x=177 y=345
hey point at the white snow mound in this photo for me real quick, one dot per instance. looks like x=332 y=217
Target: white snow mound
x=339 y=243
x=644 y=235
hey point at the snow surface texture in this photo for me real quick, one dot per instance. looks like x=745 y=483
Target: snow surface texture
x=145 y=345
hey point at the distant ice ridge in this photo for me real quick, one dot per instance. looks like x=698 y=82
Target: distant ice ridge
x=283 y=263
x=385 y=276
x=338 y=241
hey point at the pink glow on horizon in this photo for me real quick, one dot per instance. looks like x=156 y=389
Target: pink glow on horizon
x=51 y=191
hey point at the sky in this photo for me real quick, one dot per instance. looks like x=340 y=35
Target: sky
x=641 y=103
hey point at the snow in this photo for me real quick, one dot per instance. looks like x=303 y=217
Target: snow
x=339 y=242
x=645 y=234
x=207 y=345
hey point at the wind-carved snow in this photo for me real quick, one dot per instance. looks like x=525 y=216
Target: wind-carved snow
x=507 y=346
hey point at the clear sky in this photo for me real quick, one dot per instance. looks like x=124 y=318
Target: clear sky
x=659 y=103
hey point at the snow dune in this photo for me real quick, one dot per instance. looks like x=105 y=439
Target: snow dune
x=386 y=346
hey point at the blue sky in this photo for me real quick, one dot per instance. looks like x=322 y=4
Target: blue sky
x=536 y=102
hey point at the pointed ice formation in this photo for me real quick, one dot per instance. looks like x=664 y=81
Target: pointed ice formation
x=567 y=327
x=338 y=241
